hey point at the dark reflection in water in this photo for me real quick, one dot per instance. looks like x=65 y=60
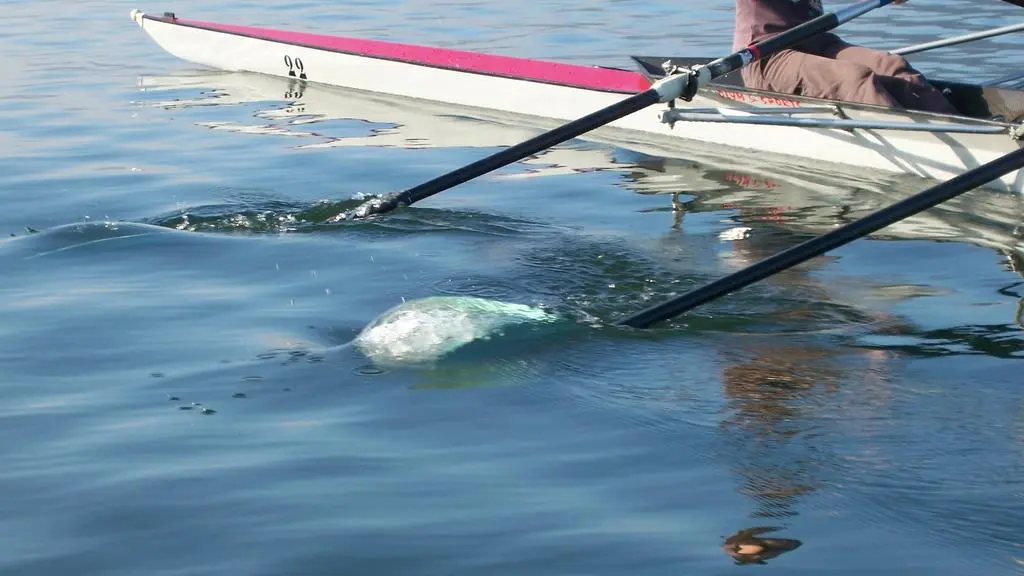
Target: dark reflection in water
x=770 y=424
x=1015 y=263
x=776 y=390
x=747 y=547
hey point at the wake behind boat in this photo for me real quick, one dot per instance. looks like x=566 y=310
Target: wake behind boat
x=798 y=130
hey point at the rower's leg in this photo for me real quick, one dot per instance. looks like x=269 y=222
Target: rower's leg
x=793 y=72
x=915 y=96
x=900 y=79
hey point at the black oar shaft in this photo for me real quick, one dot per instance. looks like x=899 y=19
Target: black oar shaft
x=791 y=37
x=532 y=146
x=507 y=156
x=990 y=33
x=817 y=246
x=680 y=85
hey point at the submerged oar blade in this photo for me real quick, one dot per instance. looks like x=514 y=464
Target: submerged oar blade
x=817 y=246
x=427 y=329
x=677 y=84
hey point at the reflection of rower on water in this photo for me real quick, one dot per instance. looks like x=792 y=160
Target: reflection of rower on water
x=827 y=67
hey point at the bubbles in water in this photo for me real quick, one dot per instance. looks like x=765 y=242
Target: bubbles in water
x=427 y=329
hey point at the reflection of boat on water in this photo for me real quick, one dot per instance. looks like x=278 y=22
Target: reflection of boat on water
x=294 y=107
x=703 y=180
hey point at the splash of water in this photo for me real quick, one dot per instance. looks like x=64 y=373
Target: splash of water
x=427 y=329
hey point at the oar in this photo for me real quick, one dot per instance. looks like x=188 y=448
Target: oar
x=683 y=84
x=958 y=39
x=817 y=246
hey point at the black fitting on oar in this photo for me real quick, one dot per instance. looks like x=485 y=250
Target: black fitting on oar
x=817 y=246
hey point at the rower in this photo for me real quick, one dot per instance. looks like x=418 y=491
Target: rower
x=827 y=67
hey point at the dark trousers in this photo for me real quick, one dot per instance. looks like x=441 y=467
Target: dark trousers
x=836 y=70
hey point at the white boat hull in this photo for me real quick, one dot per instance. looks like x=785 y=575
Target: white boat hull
x=931 y=155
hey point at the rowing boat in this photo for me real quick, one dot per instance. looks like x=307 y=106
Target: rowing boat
x=804 y=131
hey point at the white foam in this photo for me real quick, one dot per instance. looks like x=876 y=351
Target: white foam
x=426 y=329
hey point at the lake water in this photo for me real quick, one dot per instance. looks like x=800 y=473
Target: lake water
x=179 y=396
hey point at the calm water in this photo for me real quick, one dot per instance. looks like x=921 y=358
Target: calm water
x=179 y=397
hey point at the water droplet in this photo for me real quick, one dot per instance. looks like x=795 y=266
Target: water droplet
x=238 y=395
x=207 y=411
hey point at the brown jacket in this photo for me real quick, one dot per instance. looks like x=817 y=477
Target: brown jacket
x=759 y=19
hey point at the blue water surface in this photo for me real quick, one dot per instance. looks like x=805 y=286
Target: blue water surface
x=181 y=394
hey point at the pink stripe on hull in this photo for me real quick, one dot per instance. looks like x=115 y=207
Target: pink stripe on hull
x=593 y=78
